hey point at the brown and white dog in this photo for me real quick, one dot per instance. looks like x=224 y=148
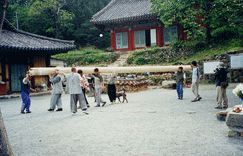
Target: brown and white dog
x=123 y=94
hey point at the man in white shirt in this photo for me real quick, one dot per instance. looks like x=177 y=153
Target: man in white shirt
x=195 y=81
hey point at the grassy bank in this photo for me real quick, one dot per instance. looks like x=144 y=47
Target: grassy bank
x=197 y=51
x=87 y=56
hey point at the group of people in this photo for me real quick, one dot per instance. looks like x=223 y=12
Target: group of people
x=76 y=86
x=221 y=84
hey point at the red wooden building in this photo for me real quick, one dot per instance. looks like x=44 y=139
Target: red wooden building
x=133 y=26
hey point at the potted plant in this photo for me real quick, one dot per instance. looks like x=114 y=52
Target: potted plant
x=238 y=91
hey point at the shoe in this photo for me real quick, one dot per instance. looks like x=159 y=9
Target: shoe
x=85 y=112
x=103 y=104
x=97 y=106
x=28 y=112
x=59 y=109
x=181 y=98
x=88 y=106
x=218 y=107
x=22 y=112
x=79 y=107
x=50 y=110
x=225 y=107
x=73 y=114
x=199 y=98
x=195 y=100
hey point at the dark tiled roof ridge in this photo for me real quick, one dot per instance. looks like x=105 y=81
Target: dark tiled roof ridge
x=96 y=19
x=35 y=35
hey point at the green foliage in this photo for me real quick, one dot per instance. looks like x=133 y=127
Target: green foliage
x=191 y=14
x=239 y=94
x=109 y=49
x=224 y=33
x=63 y=19
x=140 y=61
x=86 y=56
x=130 y=60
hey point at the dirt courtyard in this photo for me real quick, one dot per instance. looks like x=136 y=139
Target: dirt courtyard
x=123 y=129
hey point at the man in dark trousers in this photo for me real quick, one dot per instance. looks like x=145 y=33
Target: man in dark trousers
x=112 y=88
x=221 y=84
x=25 y=91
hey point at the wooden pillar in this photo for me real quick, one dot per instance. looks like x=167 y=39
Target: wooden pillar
x=130 y=40
x=113 y=40
x=159 y=36
x=180 y=32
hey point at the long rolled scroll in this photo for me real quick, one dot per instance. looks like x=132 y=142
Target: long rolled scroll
x=90 y=70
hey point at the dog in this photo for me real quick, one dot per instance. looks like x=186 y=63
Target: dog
x=123 y=94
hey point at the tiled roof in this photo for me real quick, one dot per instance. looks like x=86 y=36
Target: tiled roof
x=13 y=39
x=124 y=10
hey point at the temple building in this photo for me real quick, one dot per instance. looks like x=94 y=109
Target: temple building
x=20 y=50
x=133 y=26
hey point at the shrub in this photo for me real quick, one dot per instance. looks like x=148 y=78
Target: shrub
x=130 y=60
x=224 y=33
x=140 y=61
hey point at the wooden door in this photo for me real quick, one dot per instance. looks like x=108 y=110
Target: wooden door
x=18 y=72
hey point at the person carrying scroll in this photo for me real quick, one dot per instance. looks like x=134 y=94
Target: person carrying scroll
x=57 y=91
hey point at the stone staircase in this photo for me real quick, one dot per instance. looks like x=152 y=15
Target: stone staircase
x=121 y=60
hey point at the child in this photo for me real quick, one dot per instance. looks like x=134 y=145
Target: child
x=25 y=91
x=180 y=78
x=195 y=81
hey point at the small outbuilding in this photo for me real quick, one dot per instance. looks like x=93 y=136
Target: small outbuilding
x=20 y=50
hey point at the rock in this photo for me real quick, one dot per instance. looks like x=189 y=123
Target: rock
x=190 y=112
x=168 y=83
x=241 y=134
x=232 y=134
x=221 y=116
x=232 y=52
x=234 y=119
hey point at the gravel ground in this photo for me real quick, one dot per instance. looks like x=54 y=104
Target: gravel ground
x=123 y=129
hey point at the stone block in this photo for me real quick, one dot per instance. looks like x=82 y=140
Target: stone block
x=234 y=119
x=168 y=84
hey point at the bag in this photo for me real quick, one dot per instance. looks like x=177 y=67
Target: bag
x=224 y=84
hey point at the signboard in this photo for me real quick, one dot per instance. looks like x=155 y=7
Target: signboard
x=209 y=67
x=236 y=61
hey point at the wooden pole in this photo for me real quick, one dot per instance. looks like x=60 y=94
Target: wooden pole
x=90 y=70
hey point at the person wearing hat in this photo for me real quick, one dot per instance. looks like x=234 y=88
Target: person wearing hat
x=221 y=85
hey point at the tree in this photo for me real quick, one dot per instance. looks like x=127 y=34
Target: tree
x=3 y=5
x=192 y=14
x=52 y=10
